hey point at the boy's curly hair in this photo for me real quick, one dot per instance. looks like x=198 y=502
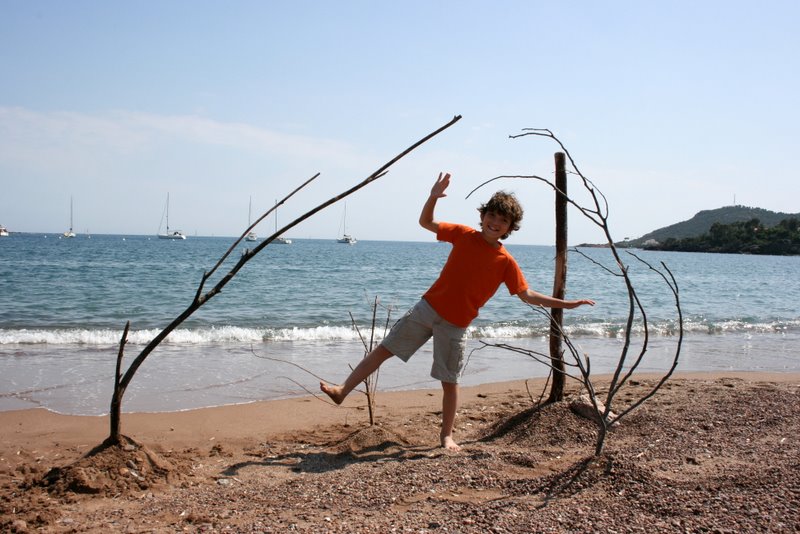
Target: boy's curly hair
x=504 y=204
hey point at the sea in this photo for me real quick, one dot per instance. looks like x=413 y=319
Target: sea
x=298 y=313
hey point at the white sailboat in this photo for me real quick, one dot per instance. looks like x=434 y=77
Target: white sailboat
x=346 y=238
x=170 y=234
x=251 y=235
x=69 y=233
x=280 y=240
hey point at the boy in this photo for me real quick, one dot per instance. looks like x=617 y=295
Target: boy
x=477 y=264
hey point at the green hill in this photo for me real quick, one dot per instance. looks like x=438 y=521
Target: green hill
x=701 y=223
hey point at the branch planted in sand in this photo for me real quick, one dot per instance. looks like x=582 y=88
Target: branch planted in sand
x=121 y=382
x=371 y=382
x=598 y=213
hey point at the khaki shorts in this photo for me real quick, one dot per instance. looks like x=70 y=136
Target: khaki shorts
x=418 y=326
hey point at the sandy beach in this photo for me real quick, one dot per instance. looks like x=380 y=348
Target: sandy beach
x=711 y=452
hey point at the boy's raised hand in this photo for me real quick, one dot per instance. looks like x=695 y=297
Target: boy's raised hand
x=437 y=191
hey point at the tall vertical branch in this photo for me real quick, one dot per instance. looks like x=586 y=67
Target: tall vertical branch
x=559 y=282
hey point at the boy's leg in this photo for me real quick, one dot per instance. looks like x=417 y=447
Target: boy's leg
x=449 y=406
x=366 y=367
x=405 y=337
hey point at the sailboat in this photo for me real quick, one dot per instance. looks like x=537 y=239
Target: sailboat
x=69 y=233
x=346 y=238
x=174 y=234
x=280 y=240
x=251 y=235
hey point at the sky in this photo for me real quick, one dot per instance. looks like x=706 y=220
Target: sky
x=669 y=108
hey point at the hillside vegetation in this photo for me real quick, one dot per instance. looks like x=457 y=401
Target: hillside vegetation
x=701 y=223
x=737 y=229
x=751 y=237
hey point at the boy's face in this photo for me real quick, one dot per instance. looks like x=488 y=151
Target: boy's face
x=494 y=225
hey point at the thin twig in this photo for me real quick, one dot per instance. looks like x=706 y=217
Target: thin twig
x=313 y=393
x=279 y=360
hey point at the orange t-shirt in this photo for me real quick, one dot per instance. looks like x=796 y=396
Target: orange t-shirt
x=473 y=272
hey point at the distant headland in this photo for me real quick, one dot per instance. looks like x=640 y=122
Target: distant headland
x=730 y=229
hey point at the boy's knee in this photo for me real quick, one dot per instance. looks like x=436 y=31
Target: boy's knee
x=449 y=386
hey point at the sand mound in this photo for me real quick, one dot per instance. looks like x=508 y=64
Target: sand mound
x=373 y=439
x=551 y=425
x=114 y=470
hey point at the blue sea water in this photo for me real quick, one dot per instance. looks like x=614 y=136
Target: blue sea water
x=64 y=303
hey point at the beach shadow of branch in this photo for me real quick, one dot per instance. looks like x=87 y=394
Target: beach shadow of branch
x=339 y=456
x=567 y=482
x=577 y=477
x=504 y=426
x=560 y=441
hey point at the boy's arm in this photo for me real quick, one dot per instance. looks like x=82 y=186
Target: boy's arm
x=537 y=299
x=426 y=219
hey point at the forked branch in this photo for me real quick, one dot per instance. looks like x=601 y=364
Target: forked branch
x=598 y=214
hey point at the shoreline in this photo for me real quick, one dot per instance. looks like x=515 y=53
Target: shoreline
x=30 y=426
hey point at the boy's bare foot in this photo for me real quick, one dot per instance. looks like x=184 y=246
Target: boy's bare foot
x=334 y=392
x=449 y=443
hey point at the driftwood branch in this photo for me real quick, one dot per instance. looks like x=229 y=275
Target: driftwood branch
x=598 y=214
x=115 y=414
x=201 y=298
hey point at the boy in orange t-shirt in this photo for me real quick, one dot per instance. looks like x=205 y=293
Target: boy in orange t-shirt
x=477 y=265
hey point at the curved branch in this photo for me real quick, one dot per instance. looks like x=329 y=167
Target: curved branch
x=588 y=184
x=673 y=285
x=590 y=214
x=599 y=215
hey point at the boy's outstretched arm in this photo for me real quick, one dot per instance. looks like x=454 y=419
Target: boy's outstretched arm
x=537 y=299
x=426 y=219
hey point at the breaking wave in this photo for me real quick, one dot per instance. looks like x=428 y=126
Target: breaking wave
x=238 y=335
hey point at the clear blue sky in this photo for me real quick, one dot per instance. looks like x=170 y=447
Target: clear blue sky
x=670 y=107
